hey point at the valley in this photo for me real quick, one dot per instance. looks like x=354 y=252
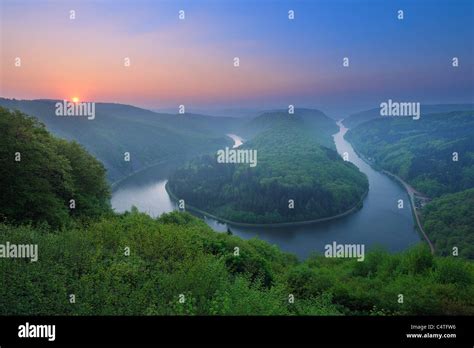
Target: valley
x=379 y=223
x=115 y=260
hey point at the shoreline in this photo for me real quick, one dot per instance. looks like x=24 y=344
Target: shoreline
x=411 y=193
x=408 y=189
x=115 y=183
x=178 y=160
x=355 y=208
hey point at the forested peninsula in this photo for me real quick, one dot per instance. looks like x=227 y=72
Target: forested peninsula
x=296 y=178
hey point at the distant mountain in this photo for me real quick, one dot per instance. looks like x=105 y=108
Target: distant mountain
x=356 y=119
x=220 y=112
x=149 y=137
x=320 y=124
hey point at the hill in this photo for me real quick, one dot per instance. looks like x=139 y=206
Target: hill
x=41 y=174
x=291 y=165
x=450 y=223
x=421 y=151
x=149 y=137
x=321 y=126
x=178 y=266
x=435 y=154
x=132 y=264
x=356 y=119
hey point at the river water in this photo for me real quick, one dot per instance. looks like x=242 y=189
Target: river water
x=379 y=223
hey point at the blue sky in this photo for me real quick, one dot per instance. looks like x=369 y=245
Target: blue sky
x=283 y=62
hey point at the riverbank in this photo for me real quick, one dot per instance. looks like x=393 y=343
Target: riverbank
x=411 y=193
x=355 y=208
x=408 y=188
x=177 y=161
x=378 y=223
x=115 y=183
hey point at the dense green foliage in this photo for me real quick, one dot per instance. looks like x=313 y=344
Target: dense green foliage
x=449 y=220
x=48 y=174
x=421 y=152
x=179 y=254
x=292 y=165
x=132 y=264
x=149 y=137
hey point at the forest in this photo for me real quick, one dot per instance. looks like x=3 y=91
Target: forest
x=42 y=176
x=148 y=137
x=179 y=255
x=435 y=155
x=450 y=223
x=133 y=264
x=293 y=167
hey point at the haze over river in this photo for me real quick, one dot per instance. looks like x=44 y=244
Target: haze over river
x=379 y=222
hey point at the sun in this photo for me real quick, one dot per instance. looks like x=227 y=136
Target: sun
x=75 y=99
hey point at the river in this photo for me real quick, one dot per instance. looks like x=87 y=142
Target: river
x=379 y=223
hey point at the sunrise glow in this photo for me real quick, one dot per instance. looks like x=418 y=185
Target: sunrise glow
x=280 y=62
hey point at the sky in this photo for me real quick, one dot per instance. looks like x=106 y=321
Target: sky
x=282 y=61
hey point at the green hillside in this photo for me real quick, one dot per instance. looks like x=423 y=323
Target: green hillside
x=292 y=165
x=180 y=255
x=132 y=264
x=40 y=174
x=422 y=152
x=149 y=137
x=449 y=221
